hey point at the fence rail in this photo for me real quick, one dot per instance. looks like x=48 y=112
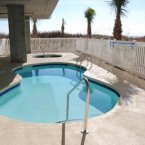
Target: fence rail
x=129 y=56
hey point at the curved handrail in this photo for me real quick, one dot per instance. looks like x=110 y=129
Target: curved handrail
x=42 y=51
x=87 y=102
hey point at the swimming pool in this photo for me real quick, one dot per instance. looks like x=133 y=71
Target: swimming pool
x=41 y=96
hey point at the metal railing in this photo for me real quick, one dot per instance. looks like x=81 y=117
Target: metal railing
x=85 y=56
x=42 y=50
x=85 y=130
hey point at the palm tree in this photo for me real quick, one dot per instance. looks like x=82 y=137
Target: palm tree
x=119 y=7
x=34 y=31
x=62 y=27
x=89 y=15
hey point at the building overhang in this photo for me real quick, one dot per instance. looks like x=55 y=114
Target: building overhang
x=36 y=9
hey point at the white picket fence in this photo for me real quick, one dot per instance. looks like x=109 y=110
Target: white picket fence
x=126 y=55
x=4 y=46
x=129 y=56
x=51 y=44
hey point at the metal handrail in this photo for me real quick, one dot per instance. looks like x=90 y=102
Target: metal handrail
x=85 y=130
x=42 y=51
x=83 y=55
x=83 y=58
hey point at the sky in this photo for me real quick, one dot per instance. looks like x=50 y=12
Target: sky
x=73 y=12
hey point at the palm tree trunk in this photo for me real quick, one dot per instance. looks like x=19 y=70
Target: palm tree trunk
x=34 y=31
x=117 y=31
x=89 y=29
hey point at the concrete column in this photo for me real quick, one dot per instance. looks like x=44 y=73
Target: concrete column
x=27 y=34
x=17 y=33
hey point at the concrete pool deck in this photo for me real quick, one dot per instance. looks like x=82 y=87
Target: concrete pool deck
x=124 y=125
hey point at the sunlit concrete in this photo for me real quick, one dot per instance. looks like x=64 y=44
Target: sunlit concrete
x=123 y=125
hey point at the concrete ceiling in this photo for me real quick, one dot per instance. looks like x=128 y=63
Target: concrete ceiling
x=39 y=9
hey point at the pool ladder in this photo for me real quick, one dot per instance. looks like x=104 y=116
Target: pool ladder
x=42 y=50
x=84 y=79
x=82 y=57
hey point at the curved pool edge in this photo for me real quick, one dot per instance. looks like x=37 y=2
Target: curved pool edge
x=116 y=107
x=46 y=63
x=74 y=64
x=17 y=80
x=15 y=84
x=113 y=88
x=115 y=126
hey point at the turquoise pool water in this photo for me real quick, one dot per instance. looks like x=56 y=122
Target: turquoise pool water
x=41 y=96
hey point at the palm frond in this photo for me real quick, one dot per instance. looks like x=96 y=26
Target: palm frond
x=119 y=6
x=90 y=14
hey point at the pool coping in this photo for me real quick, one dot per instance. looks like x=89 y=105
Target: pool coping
x=86 y=74
x=17 y=83
x=113 y=125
